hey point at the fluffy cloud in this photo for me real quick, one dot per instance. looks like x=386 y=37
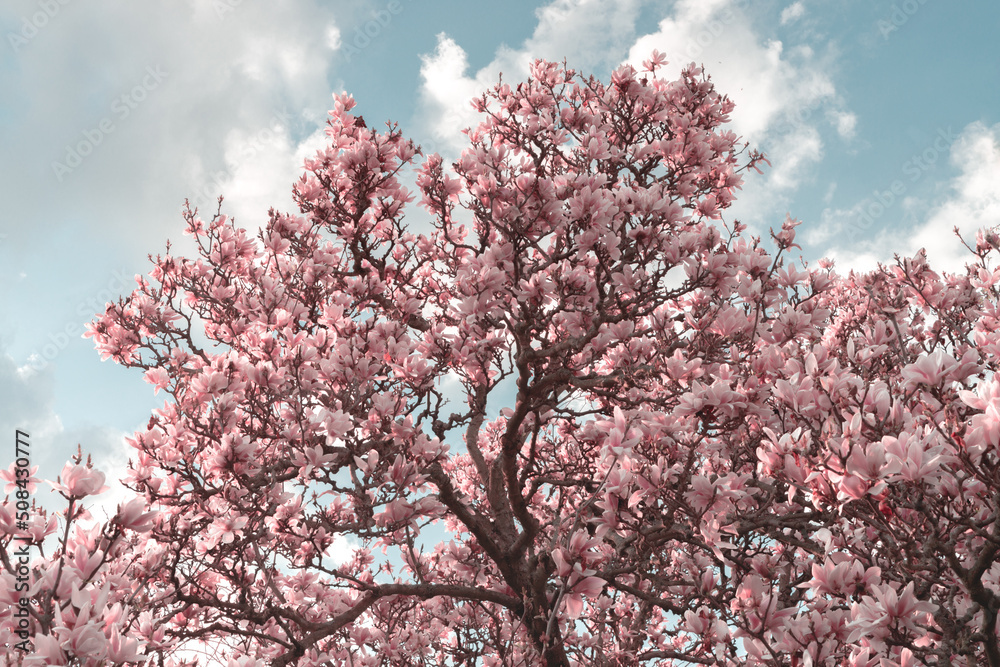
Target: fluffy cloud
x=592 y=35
x=971 y=202
x=769 y=82
x=792 y=13
x=445 y=94
x=258 y=170
x=182 y=80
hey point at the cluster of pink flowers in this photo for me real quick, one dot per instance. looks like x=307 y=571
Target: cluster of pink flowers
x=84 y=602
x=706 y=453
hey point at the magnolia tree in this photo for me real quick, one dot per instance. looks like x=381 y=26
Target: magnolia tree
x=645 y=438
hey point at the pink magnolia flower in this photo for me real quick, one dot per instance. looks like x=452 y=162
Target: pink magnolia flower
x=133 y=516
x=985 y=431
x=845 y=577
x=916 y=461
x=123 y=649
x=929 y=369
x=862 y=657
x=655 y=60
x=871 y=464
x=86 y=640
x=158 y=377
x=227 y=529
x=46 y=651
x=886 y=607
x=10 y=476
x=701 y=493
x=77 y=481
x=7 y=525
x=585 y=587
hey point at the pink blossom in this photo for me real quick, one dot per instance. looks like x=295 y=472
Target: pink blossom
x=158 y=377
x=580 y=417
x=701 y=494
x=928 y=369
x=986 y=426
x=887 y=607
x=134 y=517
x=77 y=481
x=848 y=576
x=227 y=529
x=10 y=475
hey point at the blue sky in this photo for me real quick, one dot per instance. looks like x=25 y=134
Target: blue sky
x=881 y=120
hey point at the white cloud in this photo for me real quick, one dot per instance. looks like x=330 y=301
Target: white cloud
x=591 y=35
x=798 y=149
x=260 y=167
x=767 y=82
x=972 y=202
x=845 y=122
x=445 y=96
x=792 y=12
x=26 y=404
x=221 y=72
x=830 y=191
x=833 y=225
x=333 y=40
x=162 y=101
